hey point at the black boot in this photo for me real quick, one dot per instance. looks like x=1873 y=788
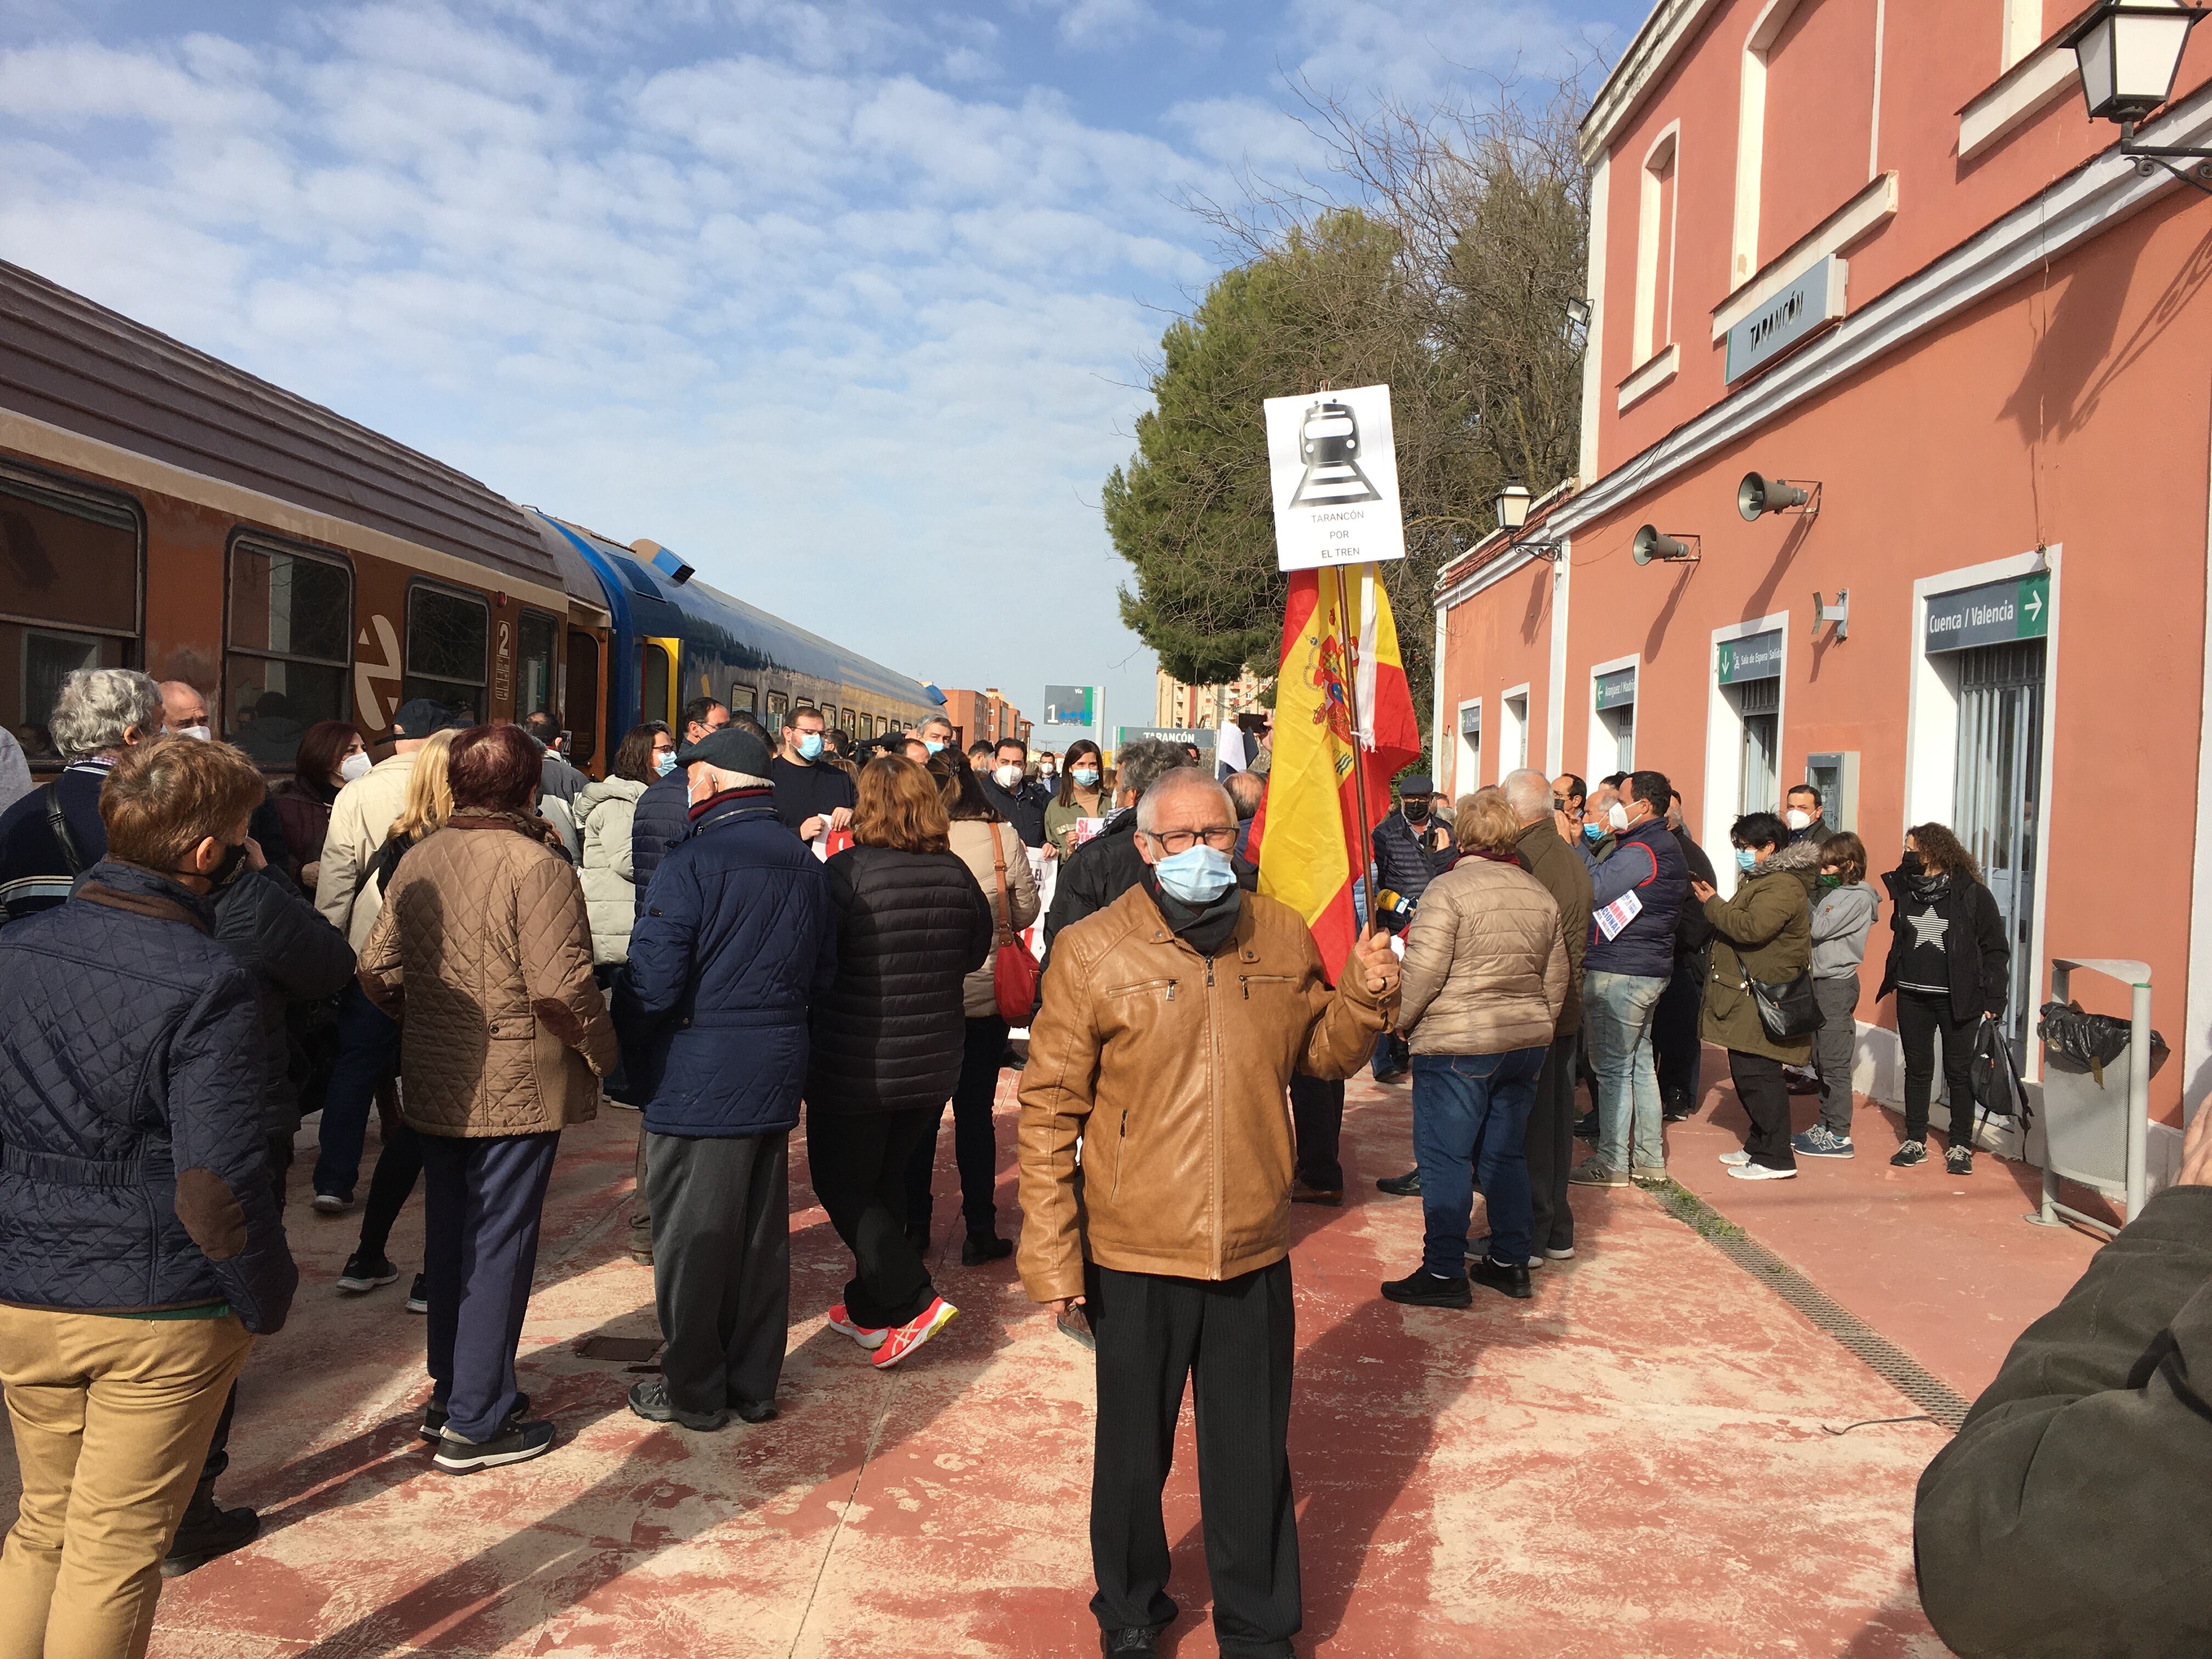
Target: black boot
x=981 y=1247
x=207 y=1530
x=1509 y=1279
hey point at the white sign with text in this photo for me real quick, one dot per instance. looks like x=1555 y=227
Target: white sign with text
x=1334 y=468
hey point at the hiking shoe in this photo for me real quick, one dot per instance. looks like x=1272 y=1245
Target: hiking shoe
x=1301 y=1193
x=868 y=1336
x=1822 y=1142
x=206 y=1532
x=1736 y=1159
x=418 y=1295
x=364 y=1272
x=1750 y=1171
x=1910 y=1153
x=981 y=1248
x=1596 y=1172
x=516 y=1442
x=903 y=1339
x=1407 y=1185
x=649 y=1400
x=1648 y=1175
x=1586 y=1126
x=1506 y=1278
x=1959 y=1160
x=332 y=1203
x=435 y=1417
x=1423 y=1289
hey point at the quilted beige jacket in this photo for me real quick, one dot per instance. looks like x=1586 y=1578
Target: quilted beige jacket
x=484 y=954
x=1486 y=968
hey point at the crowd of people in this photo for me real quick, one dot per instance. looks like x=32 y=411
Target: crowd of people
x=737 y=930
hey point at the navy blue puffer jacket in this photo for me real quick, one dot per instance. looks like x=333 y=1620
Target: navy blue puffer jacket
x=736 y=940
x=662 y=818
x=133 y=1169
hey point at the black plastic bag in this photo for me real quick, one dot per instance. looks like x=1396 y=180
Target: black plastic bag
x=1996 y=1087
x=2081 y=1042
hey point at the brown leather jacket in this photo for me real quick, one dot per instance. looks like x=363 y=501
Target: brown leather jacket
x=1173 y=1070
x=483 y=955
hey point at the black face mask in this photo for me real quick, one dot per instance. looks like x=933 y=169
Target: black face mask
x=1910 y=863
x=1416 y=811
x=234 y=860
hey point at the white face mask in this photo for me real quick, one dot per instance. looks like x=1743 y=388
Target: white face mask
x=199 y=732
x=1617 y=816
x=1009 y=777
x=1796 y=819
x=354 y=766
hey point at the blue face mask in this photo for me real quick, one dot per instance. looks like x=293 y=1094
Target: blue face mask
x=1745 y=858
x=664 y=761
x=810 y=746
x=933 y=745
x=1593 y=832
x=1085 y=776
x=1198 y=875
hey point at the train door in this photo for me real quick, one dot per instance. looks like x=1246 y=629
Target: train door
x=658 y=662
x=581 y=708
x=537 y=660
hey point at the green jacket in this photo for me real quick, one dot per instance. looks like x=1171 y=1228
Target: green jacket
x=1764 y=932
x=1567 y=879
x=2071 y=1518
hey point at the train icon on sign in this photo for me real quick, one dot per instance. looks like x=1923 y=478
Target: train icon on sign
x=1328 y=443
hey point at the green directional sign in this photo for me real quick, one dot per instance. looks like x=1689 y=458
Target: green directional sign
x=1757 y=658
x=1996 y=613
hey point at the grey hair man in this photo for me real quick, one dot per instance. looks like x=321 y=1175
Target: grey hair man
x=97 y=713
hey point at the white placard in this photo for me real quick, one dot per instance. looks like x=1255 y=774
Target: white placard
x=1334 y=466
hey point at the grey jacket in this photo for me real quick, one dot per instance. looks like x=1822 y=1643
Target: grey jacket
x=1840 y=921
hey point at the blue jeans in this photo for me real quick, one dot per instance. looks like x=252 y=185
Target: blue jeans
x=1390 y=1055
x=484 y=1198
x=1470 y=1118
x=368 y=1052
x=1617 y=1014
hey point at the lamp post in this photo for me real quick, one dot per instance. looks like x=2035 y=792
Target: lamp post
x=2127 y=53
x=1511 y=505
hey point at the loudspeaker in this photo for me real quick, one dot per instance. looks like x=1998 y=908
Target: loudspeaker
x=1652 y=542
x=1756 y=496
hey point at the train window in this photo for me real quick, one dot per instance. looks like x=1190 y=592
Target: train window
x=534 y=638
x=743 y=699
x=654 y=671
x=285 y=659
x=448 y=643
x=69 y=598
x=778 y=702
x=582 y=708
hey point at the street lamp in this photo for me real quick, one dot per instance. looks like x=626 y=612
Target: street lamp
x=2127 y=53
x=1511 y=505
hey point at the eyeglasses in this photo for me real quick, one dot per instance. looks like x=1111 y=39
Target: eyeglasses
x=1221 y=838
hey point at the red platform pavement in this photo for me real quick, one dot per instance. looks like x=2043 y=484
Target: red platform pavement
x=1944 y=1266
x=1644 y=1460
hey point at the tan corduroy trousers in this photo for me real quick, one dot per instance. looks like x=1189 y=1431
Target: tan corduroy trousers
x=111 y=1419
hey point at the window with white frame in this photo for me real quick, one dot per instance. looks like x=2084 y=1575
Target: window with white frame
x=1466 y=766
x=2023 y=30
x=1652 y=327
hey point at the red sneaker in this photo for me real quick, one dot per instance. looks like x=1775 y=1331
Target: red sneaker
x=868 y=1336
x=905 y=1338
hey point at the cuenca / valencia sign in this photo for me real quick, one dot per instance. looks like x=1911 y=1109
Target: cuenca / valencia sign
x=1813 y=298
x=1757 y=658
x=1334 y=467
x=1996 y=613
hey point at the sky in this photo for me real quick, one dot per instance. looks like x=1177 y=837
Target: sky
x=851 y=302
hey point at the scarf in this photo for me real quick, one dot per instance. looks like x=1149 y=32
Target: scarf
x=1206 y=928
x=762 y=792
x=1927 y=890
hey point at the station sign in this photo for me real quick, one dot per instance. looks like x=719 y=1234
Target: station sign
x=1070 y=705
x=1757 y=657
x=1996 y=613
x=1470 y=722
x=1814 y=299
x=1203 y=736
x=1616 y=690
x=1333 y=460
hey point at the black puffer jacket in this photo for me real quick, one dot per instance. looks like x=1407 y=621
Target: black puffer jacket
x=1407 y=860
x=1976 y=953
x=295 y=956
x=889 y=1035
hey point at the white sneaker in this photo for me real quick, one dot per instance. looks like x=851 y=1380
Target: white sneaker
x=1567 y=1254
x=1749 y=1171
x=1736 y=1159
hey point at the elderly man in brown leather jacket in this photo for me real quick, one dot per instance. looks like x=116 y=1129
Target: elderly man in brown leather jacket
x=1172 y=1023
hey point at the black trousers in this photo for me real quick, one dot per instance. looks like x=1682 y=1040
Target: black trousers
x=1677 y=1047
x=398 y=1167
x=722 y=1264
x=859 y=1164
x=1920 y=1020
x=1550 y=1148
x=1234 y=1339
x=974 y=1143
x=1765 y=1093
x=1317 y=1120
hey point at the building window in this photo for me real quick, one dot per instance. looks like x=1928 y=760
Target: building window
x=2023 y=30
x=448 y=644
x=1653 y=328
x=69 y=598
x=1513 y=736
x=286 y=662
x=1467 y=762
x=581 y=710
x=535 y=636
x=1808 y=105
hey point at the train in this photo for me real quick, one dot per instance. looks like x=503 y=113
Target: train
x=163 y=510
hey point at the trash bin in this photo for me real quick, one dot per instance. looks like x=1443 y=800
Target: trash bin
x=2095 y=1127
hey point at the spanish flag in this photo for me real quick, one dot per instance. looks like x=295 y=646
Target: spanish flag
x=1306 y=837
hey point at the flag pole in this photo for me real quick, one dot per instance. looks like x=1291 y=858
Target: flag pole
x=1359 y=764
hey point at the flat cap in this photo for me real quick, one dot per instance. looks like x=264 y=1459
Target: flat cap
x=730 y=748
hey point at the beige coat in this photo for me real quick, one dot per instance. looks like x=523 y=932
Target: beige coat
x=971 y=840
x=483 y=955
x=361 y=819
x=1486 y=968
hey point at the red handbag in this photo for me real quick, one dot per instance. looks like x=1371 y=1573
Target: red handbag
x=1014 y=970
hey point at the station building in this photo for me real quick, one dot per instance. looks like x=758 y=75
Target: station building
x=1882 y=251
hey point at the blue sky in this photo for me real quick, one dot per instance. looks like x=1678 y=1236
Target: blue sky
x=851 y=301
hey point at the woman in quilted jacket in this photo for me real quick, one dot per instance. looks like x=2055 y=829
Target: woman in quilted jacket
x=484 y=954
x=887 y=1042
